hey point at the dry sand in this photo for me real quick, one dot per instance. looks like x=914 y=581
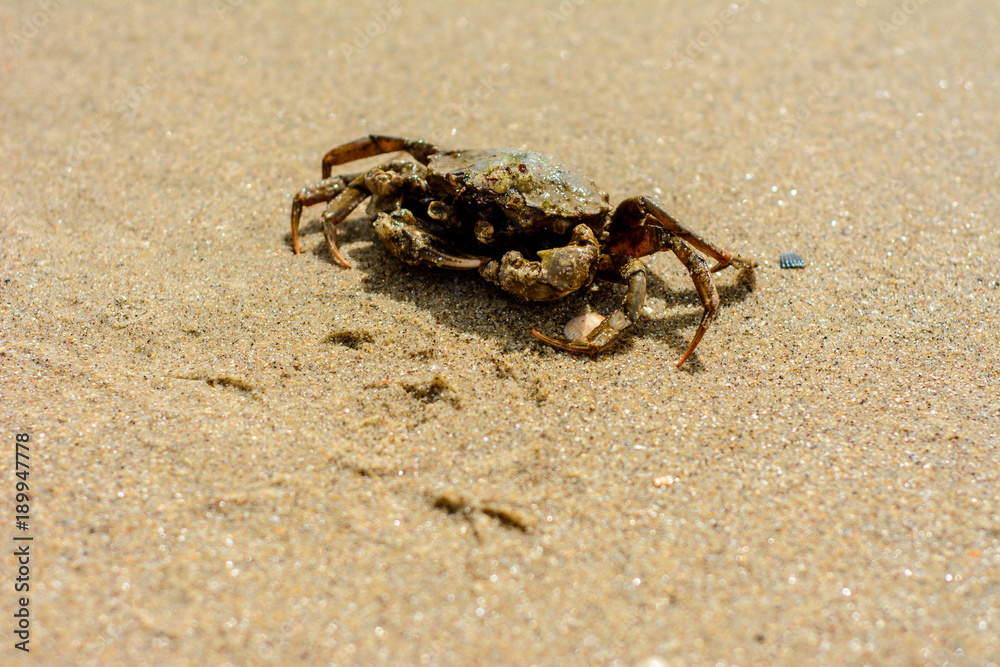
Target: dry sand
x=243 y=456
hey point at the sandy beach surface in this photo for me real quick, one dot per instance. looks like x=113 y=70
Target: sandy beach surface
x=242 y=456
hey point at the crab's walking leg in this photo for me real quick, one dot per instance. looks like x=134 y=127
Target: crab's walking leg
x=634 y=210
x=375 y=144
x=703 y=284
x=401 y=234
x=320 y=193
x=645 y=240
x=338 y=210
x=618 y=268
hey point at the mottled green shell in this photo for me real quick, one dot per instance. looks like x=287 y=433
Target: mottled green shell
x=533 y=190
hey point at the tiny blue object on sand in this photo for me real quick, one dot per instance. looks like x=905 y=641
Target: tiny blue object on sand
x=789 y=260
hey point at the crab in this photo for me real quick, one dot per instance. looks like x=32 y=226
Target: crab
x=522 y=220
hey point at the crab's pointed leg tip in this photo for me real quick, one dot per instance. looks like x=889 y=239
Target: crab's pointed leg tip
x=559 y=343
x=339 y=258
x=687 y=354
x=542 y=337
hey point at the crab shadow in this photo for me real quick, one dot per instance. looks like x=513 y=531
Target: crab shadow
x=463 y=301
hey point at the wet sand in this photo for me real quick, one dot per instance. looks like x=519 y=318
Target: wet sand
x=243 y=456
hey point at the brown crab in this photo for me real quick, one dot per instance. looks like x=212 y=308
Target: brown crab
x=522 y=219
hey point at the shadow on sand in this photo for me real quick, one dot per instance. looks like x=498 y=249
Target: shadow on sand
x=462 y=300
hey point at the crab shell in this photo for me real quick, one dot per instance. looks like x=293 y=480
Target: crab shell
x=536 y=194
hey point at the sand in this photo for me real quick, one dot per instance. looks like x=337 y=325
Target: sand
x=242 y=456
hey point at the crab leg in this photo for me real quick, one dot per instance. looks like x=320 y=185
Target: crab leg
x=635 y=210
x=611 y=329
x=703 y=284
x=618 y=268
x=337 y=212
x=375 y=144
x=320 y=193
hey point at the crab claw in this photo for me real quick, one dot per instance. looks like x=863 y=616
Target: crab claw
x=594 y=339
